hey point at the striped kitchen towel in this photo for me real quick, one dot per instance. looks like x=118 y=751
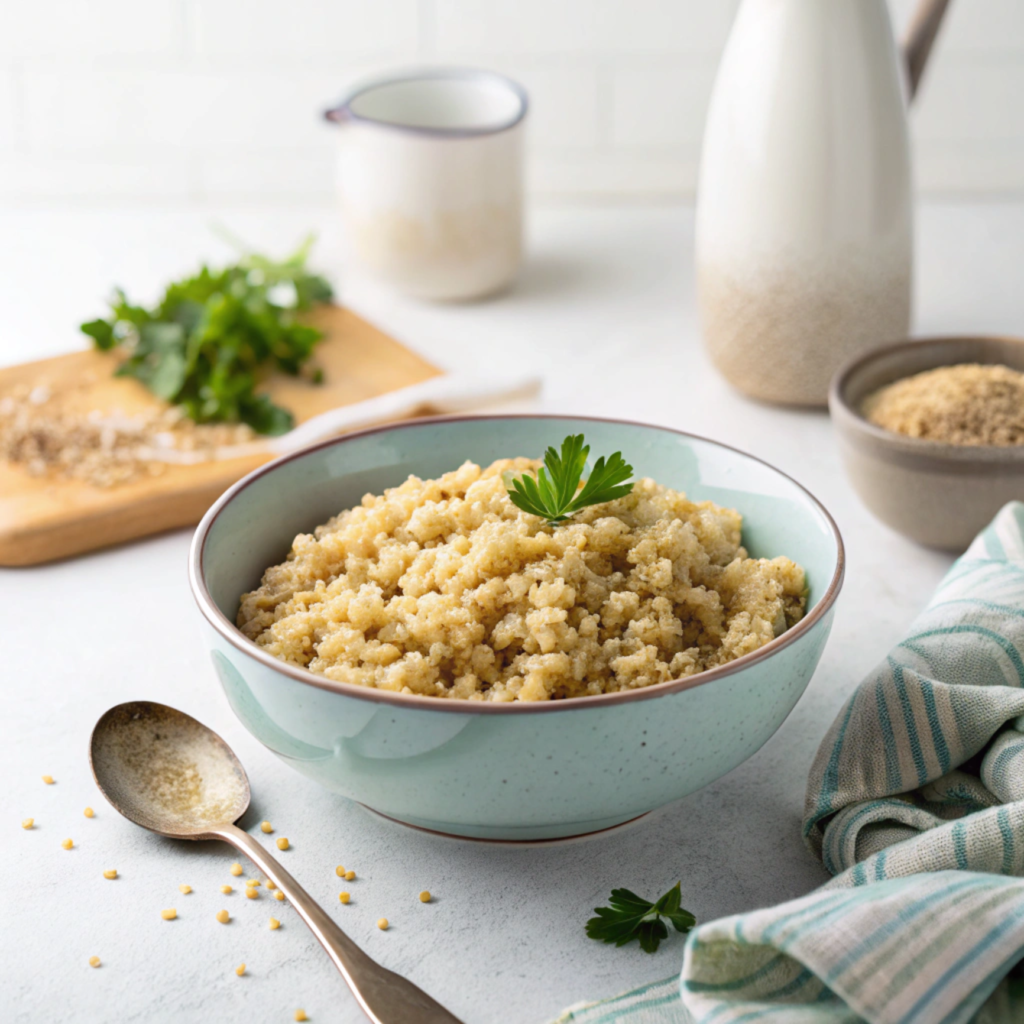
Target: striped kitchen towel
x=923 y=769
x=915 y=804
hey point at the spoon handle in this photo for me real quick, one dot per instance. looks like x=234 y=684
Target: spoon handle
x=386 y=997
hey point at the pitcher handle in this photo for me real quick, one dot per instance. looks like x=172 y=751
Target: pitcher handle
x=919 y=37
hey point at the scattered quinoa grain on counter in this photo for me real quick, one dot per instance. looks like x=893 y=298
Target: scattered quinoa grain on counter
x=184 y=889
x=48 y=779
x=89 y=812
x=340 y=870
x=344 y=897
x=274 y=924
x=94 y=961
x=252 y=893
x=223 y=916
x=964 y=404
x=240 y=970
x=425 y=896
x=350 y=876
x=279 y=895
x=269 y=883
x=169 y=915
x=252 y=883
x=444 y=588
x=110 y=873
x=28 y=822
x=236 y=869
x=68 y=843
x=300 y=1015
x=283 y=844
x=382 y=924
x=226 y=889
x=267 y=827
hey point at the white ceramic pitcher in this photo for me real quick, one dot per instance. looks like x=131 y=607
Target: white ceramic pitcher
x=804 y=214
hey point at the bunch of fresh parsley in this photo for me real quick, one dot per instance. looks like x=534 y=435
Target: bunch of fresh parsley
x=211 y=338
x=551 y=494
x=631 y=917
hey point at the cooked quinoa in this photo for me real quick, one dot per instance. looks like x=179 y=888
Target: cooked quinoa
x=444 y=588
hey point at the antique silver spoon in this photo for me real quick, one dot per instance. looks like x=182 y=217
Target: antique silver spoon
x=167 y=772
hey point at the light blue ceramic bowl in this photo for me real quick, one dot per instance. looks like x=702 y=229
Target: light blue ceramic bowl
x=508 y=771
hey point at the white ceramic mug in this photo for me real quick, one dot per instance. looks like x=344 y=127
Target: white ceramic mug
x=430 y=175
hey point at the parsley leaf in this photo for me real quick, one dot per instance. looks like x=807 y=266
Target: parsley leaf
x=631 y=917
x=212 y=337
x=552 y=493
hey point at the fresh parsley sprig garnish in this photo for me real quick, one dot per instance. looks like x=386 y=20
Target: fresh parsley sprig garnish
x=630 y=917
x=552 y=493
x=211 y=339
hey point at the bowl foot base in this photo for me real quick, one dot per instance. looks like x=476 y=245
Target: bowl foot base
x=530 y=835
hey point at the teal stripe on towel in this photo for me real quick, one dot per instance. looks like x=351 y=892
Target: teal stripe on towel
x=960 y=844
x=892 y=764
x=935 y=725
x=1011 y=652
x=1003 y=821
x=908 y=721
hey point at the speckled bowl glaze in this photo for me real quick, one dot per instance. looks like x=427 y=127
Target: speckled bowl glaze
x=940 y=495
x=518 y=771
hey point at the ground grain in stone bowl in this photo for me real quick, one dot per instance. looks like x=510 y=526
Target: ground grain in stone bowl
x=965 y=404
x=444 y=588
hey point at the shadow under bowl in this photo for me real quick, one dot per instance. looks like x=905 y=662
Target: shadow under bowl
x=940 y=495
x=520 y=770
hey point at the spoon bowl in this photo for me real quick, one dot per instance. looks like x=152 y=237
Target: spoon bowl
x=167 y=772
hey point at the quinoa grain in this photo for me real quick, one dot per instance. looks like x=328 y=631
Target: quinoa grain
x=446 y=589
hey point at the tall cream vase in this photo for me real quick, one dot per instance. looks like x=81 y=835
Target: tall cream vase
x=804 y=213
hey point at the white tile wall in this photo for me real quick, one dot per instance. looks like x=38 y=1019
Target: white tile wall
x=213 y=99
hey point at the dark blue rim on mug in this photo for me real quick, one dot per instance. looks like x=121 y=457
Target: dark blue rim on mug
x=343 y=112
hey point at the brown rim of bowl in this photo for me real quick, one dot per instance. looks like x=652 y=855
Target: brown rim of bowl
x=220 y=622
x=974 y=453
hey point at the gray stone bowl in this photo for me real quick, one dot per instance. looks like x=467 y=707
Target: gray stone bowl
x=940 y=495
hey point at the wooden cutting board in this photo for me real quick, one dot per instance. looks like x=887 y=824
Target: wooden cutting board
x=45 y=518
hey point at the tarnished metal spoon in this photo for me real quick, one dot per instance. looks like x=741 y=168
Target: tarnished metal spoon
x=167 y=772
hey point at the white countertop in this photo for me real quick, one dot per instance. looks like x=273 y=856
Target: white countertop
x=605 y=312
